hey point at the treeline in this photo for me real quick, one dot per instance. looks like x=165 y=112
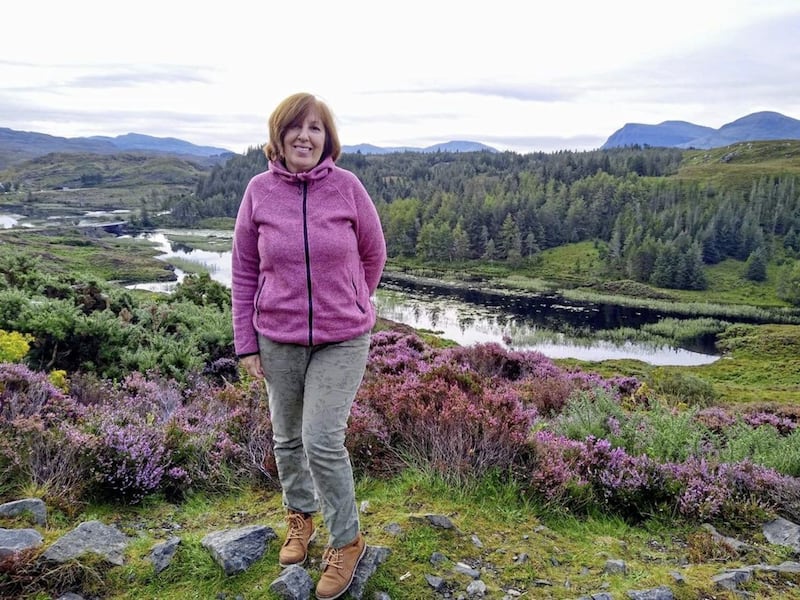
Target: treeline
x=652 y=228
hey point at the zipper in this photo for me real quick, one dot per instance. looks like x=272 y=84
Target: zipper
x=308 y=264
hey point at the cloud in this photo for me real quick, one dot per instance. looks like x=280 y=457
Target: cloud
x=526 y=92
x=125 y=76
x=758 y=64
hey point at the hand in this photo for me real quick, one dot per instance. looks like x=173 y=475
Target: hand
x=252 y=364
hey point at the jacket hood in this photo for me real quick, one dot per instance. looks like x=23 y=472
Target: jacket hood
x=322 y=170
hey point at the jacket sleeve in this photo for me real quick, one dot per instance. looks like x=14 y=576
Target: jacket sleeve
x=371 y=241
x=245 y=266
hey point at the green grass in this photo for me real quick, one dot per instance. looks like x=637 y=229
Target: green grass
x=107 y=258
x=517 y=543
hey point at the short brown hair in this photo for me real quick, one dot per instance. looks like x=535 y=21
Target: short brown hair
x=294 y=109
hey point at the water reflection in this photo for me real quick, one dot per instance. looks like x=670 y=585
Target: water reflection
x=467 y=323
x=8 y=221
x=217 y=264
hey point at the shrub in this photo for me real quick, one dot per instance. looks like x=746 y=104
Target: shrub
x=764 y=445
x=14 y=345
x=36 y=420
x=683 y=388
x=589 y=416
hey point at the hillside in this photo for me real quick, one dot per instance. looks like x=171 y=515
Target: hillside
x=19 y=146
x=82 y=170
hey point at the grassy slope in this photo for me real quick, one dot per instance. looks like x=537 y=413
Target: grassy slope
x=55 y=171
x=739 y=164
x=566 y=554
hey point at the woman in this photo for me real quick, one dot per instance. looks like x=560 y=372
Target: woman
x=308 y=253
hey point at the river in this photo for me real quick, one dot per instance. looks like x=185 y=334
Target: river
x=548 y=324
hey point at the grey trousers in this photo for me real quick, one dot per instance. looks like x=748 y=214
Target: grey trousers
x=311 y=390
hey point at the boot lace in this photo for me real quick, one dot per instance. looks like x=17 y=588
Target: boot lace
x=332 y=557
x=296 y=526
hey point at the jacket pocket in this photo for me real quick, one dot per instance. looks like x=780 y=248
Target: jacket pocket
x=359 y=304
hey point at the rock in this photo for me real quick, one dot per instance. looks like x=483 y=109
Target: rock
x=730 y=580
x=476 y=588
x=236 y=549
x=161 y=554
x=18 y=540
x=465 y=569
x=659 y=593
x=783 y=533
x=732 y=543
x=373 y=556
x=294 y=583
x=90 y=536
x=35 y=506
x=615 y=566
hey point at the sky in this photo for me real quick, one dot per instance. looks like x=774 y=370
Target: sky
x=513 y=74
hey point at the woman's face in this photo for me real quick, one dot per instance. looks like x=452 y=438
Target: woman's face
x=303 y=143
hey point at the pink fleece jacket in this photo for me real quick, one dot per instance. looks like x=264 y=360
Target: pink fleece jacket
x=308 y=253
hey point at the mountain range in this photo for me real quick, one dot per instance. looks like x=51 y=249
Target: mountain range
x=759 y=126
x=454 y=146
x=19 y=146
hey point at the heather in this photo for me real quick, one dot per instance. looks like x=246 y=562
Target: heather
x=567 y=440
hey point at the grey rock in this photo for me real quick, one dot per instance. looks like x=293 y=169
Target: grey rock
x=18 y=540
x=440 y=521
x=783 y=533
x=476 y=588
x=730 y=580
x=615 y=566
x=91 y=536
x=70 y=596
x=294 y=583
x=465 y=569
x=733 y=543
x=437 y=558
x=161 y=555
x=787 y=567
x=659 y=593
x=678 y=577
x=34 y=506
x=235 y=550
x=435 y=582
x=373 y=557
x=393 y=529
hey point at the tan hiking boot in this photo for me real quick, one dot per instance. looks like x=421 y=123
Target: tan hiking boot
x=301 y=533
x=339 y=567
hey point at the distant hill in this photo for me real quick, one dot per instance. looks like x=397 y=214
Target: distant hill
x=454 y=146
x=19 y=146
x=760 y=126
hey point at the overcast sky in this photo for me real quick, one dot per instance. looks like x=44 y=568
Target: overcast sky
x=514 y=74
